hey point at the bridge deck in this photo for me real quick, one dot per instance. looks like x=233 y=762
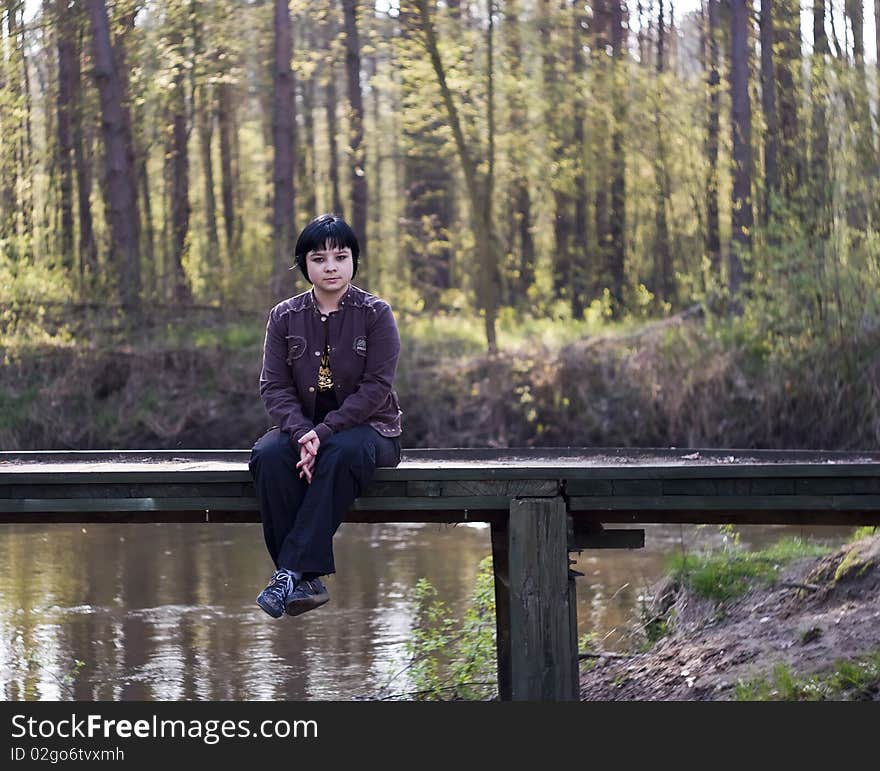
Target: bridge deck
x=541 y=504
x=598 y=485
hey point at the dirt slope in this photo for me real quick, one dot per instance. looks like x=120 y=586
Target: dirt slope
x=835 y=615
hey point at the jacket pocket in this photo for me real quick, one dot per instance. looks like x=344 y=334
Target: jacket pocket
x=360 y=346
x=296 y=347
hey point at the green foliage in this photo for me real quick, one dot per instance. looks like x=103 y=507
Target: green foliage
x=451 y=659
x=866 y=531
x=854 y=680
x=727 y=574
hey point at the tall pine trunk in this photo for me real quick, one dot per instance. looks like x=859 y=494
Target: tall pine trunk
x=741 y=128
x=119 y=170
x=768 y=104
x=66 y=37
x=358 y=162
x=226 y=124
x=820 y=182
x=180 y=207
x=82 y=158
x=713 y=79
x=663 y=279
x=283 y=119
x=787 y=42
x=618 y=154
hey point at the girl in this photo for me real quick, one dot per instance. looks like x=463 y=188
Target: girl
x=329 y=361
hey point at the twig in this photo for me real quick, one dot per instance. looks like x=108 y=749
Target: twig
x=603 y=655
x=796 y=585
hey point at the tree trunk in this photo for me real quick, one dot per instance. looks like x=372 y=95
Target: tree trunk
x=768 y=104
x=820 y=183
x=521 y=238
x=377 y=177
x=787 y=42
x=123 y=210
x=478 y=190
x=713 y=229
x=180 y=208
x=226 y=124
x=9 y=174
x=741 y=128
x=559 y=142
x=618 y=156
x=332 y=128
x=283 y=119
x=68 y=68
x=582 y=269
x=82 y=158
x=866 y=159
x=602 y=75
x=308 y=154
x=27 y=146
x=358 y=162
x=429 y=213
x=663 y=279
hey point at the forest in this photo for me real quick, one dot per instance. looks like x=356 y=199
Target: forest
x=618 y=222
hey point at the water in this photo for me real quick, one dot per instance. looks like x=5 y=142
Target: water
x=166 y=611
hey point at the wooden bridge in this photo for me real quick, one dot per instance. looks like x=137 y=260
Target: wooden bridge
x=541 y=504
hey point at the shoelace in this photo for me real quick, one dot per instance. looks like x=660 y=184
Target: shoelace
x=281 y=585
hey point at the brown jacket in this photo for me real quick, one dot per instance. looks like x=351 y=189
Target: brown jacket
x=364 y=347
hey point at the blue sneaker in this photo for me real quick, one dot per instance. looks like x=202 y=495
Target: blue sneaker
x=307 y=595
x=274 y=598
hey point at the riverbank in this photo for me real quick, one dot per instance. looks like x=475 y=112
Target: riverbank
x=814 y=632
x=684 y=381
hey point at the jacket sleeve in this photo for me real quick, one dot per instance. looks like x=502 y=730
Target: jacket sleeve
x=383 y=350
x=277 y=388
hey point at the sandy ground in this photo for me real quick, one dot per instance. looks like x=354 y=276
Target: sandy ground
x=818 y=612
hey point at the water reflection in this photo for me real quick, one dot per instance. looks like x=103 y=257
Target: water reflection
x=166 y=612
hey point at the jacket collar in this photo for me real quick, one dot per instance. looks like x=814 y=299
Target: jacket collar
x=354 y=297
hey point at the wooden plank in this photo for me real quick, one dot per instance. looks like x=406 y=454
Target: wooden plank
x=382 y=489
x=598 y=537
x=732 y=517
x=509 y=488
x=575 y=664
x=720 y=502
x=610 y=455
x=840 y=486
x=224 y=516
x=464 y=505
x=526 y=464
x=125 y=490
x=711 y=487
x=500 y=536
x=540 y=617
x=624 y=487
x=432 y=488
x=588 y=487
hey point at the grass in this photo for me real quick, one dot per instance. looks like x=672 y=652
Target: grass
x=730 y=573
x=862 y=532
x=847 y=680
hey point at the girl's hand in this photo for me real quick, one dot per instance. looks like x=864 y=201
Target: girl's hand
x=310 y=442
x=306 y=464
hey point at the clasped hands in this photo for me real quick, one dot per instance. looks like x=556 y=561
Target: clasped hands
x=308 y=452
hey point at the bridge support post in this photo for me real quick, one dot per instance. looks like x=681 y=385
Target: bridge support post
x=537 y=651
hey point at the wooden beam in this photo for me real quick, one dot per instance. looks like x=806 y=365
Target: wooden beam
x=542 y=661
x=500 y=567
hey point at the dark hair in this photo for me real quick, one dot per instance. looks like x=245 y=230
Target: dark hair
x=326 y=231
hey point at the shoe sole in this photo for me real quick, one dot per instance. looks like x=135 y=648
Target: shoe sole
x=271 y=612
x=298 y=607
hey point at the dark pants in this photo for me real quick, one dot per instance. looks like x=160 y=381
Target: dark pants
x=299 y=518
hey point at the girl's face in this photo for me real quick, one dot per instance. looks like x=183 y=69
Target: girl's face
x=330 y=268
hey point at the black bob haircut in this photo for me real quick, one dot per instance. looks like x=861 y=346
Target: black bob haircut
x=327 y=231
